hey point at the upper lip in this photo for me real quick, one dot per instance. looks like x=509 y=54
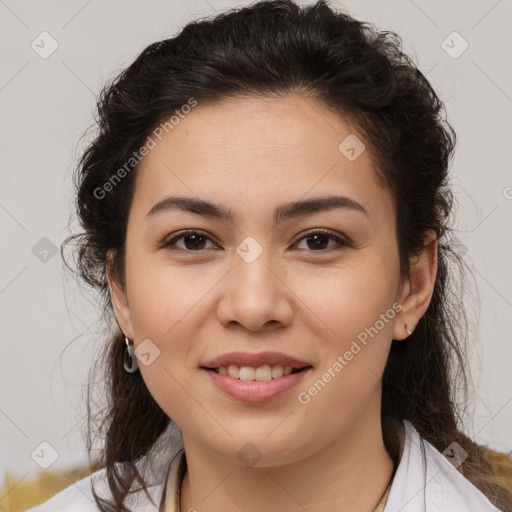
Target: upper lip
x=255 y=360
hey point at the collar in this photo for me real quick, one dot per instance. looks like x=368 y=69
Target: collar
x=425 y=481
x=178 y=469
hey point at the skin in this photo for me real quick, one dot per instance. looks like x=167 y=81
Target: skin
x=251 y=155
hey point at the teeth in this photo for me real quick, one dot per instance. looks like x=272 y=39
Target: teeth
x=262 y=373
x=246 y=373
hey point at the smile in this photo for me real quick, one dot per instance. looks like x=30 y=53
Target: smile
x=250 y=384
x=261 y=373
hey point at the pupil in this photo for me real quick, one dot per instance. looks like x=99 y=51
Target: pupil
x=196 y=241
x=316 y=237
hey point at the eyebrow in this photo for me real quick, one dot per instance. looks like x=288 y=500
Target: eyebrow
x=281 y=213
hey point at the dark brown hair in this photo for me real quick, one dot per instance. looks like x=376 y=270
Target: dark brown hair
x=276 y=48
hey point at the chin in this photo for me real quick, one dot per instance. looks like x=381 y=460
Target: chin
x=254 y=449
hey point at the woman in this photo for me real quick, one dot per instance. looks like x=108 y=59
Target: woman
x=265 y=209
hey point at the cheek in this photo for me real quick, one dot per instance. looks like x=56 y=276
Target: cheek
x=168 y=306
x=163 y=297
x=176 y=394
x=349 y=298
x=353 y=354
x=357 y=309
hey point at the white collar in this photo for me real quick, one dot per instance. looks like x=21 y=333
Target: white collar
x=432 y=484
x=439 y=488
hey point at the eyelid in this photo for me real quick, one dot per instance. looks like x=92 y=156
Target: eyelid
x=323 y=231
x=180 y=234
x=340 y=239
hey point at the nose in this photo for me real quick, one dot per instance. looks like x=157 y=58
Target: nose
x=255 y=295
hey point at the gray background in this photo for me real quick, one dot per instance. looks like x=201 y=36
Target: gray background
x=47 y=104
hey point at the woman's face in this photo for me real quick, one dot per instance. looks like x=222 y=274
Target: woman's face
x=264 y=279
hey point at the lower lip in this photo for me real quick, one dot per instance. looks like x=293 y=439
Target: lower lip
x=254 y=390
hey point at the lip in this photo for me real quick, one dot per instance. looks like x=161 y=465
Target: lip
x=256 y=391
x=255 y=360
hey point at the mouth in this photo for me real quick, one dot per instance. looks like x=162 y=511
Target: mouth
x=250 y=384
x=261 y=373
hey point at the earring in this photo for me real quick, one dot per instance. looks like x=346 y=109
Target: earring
x=130 y=361
x=407 y=330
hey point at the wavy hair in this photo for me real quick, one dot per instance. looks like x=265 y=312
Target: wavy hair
x=277 y=48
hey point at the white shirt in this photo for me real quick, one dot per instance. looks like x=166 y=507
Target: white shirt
x=436 y=487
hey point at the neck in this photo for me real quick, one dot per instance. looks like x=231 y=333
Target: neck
x=350 y=473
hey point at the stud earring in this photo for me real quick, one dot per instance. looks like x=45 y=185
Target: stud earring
x=407 y=330
x=130 y=361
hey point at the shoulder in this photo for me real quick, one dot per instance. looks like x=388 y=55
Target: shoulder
x=157 y=467
x=78 y=497
x=426 y=481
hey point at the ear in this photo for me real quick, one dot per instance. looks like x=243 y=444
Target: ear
x=119 y=299
x=417 y=290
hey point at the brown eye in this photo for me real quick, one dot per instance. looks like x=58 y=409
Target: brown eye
x=318 y=240
x=192 y=241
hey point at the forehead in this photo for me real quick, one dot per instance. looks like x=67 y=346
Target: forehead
x=254 y=152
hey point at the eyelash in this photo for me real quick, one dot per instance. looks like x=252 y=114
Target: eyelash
x=341 y=243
